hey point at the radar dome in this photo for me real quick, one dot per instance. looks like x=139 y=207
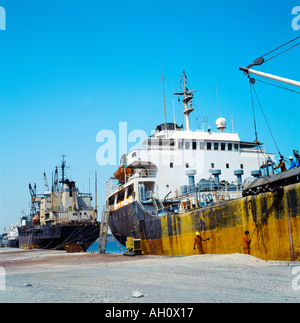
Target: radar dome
x=221 y=123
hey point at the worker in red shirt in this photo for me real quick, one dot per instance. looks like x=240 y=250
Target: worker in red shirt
x=246 y=243
x=198 y=242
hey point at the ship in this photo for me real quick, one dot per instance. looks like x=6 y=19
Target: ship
x=185 y=182
x=60 y=218
x=2 y=236
x=11 y=237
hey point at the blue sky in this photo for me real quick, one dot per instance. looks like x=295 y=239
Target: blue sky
x=70 y=69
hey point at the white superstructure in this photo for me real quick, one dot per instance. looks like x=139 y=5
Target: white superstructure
x=175 y=159
x=63 y=204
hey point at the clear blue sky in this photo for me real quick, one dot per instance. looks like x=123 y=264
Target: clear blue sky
x=70 y=69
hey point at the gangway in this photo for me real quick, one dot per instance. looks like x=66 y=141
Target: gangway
x=103 y=231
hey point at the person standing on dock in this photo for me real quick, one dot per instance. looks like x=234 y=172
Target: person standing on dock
x=198 y=242
x=246 y=243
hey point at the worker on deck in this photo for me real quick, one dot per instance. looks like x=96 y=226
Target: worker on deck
x=293 y=163
x=246 y=243
x=198 y=242
x=281 y=165
x=187 y=204
x=296 y=154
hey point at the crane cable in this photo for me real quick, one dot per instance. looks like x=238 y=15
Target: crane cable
x=260 y=60
x=252 y=81
x=254 y=119
x=281 y=47
x=266 y=120
x=277 y=85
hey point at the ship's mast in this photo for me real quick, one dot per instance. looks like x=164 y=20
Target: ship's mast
x=187 y=97
x=63 y=165
x=165 y=113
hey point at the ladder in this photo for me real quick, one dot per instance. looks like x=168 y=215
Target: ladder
x=155 y=204
x=103 y=231
x=29 y=240
x=161 y=205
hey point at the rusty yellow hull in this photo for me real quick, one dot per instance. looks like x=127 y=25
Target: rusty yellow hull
x=273 y=220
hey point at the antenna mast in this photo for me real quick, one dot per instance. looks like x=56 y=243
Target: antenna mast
x=217 y=100
x=96 y=192
x=46 y=182
x=162 y=78
x=187 y=96
x=163 y=84
x=63 y=165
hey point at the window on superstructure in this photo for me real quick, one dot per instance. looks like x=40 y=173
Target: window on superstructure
x=227 y=165
x=236 y=147
x=187 y=165
x=111 y=200
x=130 y=191
x=180 y=144
x=229 y=146
x=133 y=154
x=201 y=145
x=171 y=165
x=187 y=145
x=121 y=196
x=216 y=146
x=242 y=166
x=194 y=145
x=223 y=145
x=208 y=145
x=212 y=165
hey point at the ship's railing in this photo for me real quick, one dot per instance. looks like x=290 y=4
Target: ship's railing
x=220 y=192
x=111 y=185
x=142 y=173
x=196 y=196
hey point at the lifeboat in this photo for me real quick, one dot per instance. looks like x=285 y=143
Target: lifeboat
x=36 y=219
x=120 y=173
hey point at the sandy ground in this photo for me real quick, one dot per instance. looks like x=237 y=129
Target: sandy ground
x=35 y=276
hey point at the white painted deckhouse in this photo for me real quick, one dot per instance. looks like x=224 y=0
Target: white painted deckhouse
x=176 y=158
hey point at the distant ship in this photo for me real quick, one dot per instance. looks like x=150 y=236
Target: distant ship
x=61 y=218
x=2 y=235
x=10 y=238
x=186 y=181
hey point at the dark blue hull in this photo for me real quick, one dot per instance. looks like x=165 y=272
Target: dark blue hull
x=59 y=237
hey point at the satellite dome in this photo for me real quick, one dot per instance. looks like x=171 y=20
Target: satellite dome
x=221 y=123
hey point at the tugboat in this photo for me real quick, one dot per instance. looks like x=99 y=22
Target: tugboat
x=194 y=181
x=61 y=218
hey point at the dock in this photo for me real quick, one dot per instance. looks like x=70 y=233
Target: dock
x=37 y=276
